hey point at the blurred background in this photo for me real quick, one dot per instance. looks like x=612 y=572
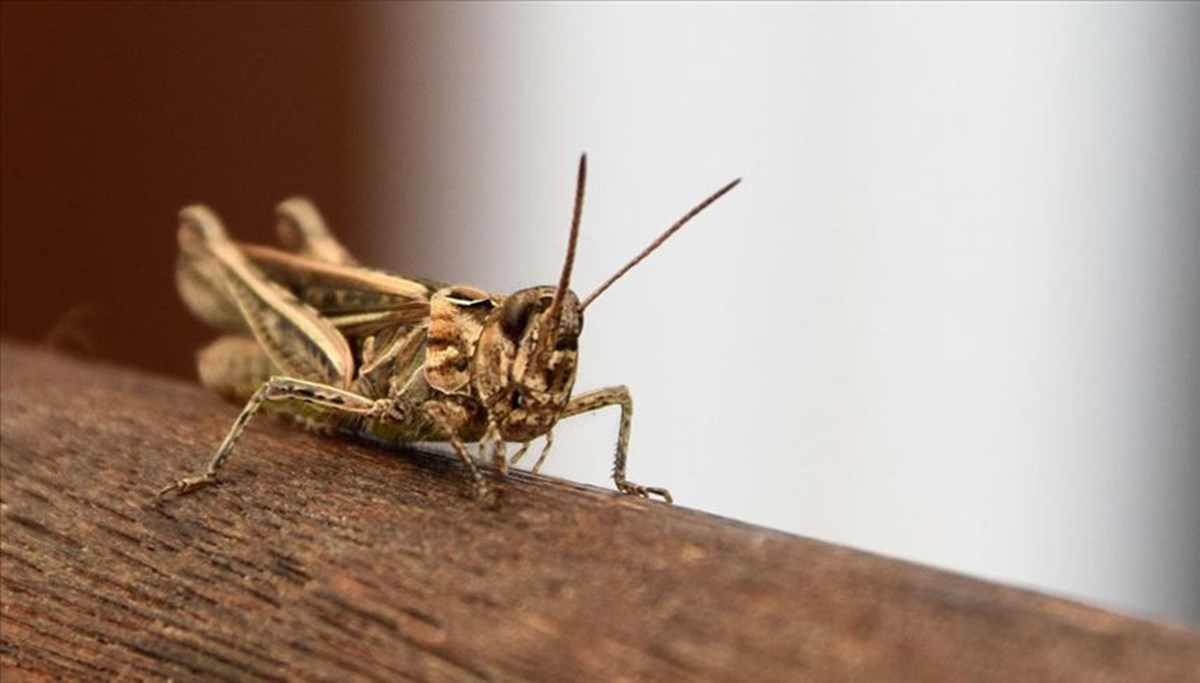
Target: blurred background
x=952 y=314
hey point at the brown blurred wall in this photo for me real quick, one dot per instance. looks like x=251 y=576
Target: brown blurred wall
x=116 y=115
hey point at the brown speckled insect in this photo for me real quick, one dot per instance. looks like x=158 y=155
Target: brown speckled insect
x=345 y=349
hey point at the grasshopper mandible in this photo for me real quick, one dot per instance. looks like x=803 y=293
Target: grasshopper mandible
x=347 y=350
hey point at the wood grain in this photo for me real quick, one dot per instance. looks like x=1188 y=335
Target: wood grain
x=317 y=559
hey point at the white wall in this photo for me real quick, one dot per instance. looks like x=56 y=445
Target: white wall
x=952 y=314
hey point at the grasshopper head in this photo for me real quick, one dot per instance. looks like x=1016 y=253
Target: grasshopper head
x=525 y=363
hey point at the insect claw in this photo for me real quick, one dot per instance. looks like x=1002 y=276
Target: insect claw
x=661 y=493
x=487 y=496
x=186 y=485
x=645 y=491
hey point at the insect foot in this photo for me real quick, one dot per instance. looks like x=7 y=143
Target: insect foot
x=186 y=485
x=644 y=491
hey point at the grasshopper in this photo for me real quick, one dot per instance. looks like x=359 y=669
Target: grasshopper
x=344 y=349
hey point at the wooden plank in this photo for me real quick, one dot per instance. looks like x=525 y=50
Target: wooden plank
x=319 y=559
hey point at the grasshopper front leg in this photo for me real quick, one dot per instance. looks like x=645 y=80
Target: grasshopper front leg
x=546 y=444
x=615 y=396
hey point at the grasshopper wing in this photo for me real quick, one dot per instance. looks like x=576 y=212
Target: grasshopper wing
x=355 y=300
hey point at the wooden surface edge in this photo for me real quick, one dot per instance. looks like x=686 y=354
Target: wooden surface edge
x=320 y=559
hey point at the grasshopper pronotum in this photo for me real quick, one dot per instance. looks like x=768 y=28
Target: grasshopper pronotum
x=348 y=350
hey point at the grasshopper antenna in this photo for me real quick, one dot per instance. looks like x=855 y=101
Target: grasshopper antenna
x=656 y=243
x=564 y=280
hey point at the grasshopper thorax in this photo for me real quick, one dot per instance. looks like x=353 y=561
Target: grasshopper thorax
x=524 y=366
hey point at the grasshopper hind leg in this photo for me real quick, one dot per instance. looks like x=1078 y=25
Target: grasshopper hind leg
x=238 y=368
x=277 y=389
x=302 y=230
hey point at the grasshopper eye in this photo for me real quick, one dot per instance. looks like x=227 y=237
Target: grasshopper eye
x=514 y=316
x=516 y=311
x=518 y=400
